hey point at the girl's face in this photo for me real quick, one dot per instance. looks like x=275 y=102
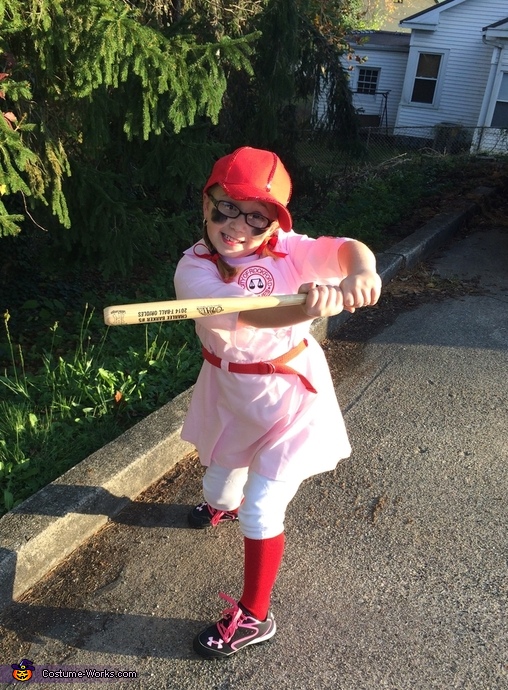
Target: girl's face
x=234 y=237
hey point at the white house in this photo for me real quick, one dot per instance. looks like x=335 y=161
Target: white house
x=376 y=81
x=455 y=72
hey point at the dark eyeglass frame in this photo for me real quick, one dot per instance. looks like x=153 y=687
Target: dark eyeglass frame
x=234 y=212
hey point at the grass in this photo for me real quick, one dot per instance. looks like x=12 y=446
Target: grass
x=69 y=385
x=80 y=386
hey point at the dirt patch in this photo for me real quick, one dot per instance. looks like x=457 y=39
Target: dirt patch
x=475 y=173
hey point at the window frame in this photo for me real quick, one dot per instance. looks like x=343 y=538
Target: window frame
x=372 y=70
x=495 y=102
x=414 y=61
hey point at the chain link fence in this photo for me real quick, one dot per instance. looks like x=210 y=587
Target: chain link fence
x=325 y=157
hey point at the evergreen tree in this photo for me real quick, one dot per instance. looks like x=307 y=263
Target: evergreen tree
x=108 y=110
x=105 y=107
x=297 y=60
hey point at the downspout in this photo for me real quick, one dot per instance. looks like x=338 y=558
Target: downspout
x=494 y=63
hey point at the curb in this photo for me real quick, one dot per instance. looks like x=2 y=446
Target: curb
x=43 y=530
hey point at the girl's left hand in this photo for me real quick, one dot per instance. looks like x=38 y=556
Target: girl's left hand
x=360 y=289
x=322 y=300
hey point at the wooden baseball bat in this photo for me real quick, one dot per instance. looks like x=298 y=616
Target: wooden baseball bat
x=178 y=309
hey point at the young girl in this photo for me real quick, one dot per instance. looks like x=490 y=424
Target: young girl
x=264 y=414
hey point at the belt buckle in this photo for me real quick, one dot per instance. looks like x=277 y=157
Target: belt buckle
x=270 y=368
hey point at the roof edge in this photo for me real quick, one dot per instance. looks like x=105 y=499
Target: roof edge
x=430 y=25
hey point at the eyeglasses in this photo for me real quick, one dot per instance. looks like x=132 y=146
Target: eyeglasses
x=225 y=209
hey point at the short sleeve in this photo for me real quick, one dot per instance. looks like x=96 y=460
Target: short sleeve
x=314 y=259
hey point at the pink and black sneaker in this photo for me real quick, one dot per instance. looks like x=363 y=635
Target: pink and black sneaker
x=236 y=630
x=204 y=515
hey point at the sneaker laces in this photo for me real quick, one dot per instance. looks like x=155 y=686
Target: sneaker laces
x=216 y=515
x=231 y=619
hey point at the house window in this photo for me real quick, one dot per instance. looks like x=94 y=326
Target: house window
x=367 y=81
x=500 y=116
x=427 y=72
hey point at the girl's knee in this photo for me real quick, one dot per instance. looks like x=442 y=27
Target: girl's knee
x=262 y=514
x=255 y=525
x=223 y=488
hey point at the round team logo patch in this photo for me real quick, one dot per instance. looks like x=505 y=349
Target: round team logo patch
x=256 y=280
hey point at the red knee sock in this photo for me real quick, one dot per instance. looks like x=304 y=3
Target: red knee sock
x=262 y=561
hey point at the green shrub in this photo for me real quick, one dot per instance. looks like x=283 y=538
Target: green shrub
x=366 y=205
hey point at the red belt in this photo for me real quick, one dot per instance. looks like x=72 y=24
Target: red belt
x=272 y=366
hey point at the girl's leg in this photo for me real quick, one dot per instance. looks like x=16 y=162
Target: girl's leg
x=223 y=493
x=223 y=488
x=262 y=524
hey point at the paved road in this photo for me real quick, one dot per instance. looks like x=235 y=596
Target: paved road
x=395 y=573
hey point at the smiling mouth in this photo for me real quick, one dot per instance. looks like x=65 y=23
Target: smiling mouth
x=231 y=240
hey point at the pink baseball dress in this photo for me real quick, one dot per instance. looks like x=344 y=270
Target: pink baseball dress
x=270 y=422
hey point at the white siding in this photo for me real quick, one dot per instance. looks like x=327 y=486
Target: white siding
x=467 y=64
x=392 y=66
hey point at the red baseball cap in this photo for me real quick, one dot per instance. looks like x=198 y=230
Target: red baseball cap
x=257 y=175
